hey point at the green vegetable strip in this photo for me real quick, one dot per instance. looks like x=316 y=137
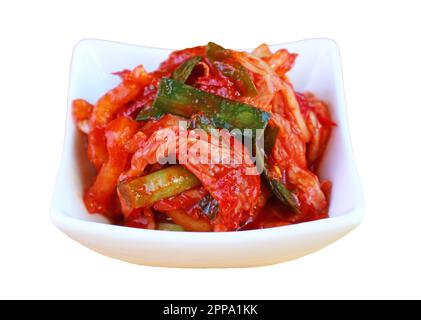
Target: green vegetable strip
x=276 y=185
x=180 y=99
x=201 y=122
x=215 y=52
x=169 y=227
x=271 y=133
x=145 y=191
x=183 y=72
x=282 y=193
x=222 y=59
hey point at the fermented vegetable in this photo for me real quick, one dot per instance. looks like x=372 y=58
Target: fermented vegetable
x=146 y=190
x=170 y=152
x=183 y=100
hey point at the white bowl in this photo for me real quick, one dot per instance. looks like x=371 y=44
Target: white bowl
x=317 y=69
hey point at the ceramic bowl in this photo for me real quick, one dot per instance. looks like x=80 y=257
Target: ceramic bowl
x=317 y=69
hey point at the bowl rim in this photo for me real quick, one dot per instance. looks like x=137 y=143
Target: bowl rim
x=352 y=216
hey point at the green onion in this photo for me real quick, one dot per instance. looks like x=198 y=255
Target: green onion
x=223 y=61
x=183 y=72
x=282 y=193
x=169 y=227
x=145 y=191
x=273 y=180
x=272 y=174
x=183 y=100
x=271 y=133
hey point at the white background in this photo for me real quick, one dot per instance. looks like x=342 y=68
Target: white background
x=381 y=53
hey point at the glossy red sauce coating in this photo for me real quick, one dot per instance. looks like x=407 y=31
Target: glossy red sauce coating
x=236 y=191
x=100 y=197
x=120 y=147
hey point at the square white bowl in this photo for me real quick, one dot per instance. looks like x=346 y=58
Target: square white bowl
x=317 y=69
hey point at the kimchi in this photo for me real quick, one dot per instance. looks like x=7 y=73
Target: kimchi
x=213 y=140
